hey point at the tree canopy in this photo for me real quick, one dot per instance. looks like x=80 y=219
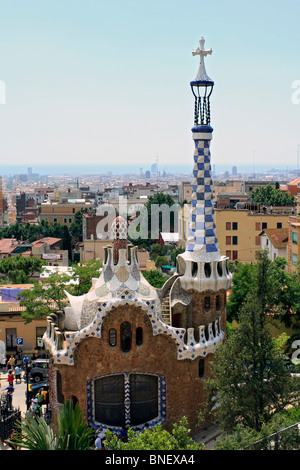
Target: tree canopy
x=155 y=278
x=31 y=232
x=270 y=196
x=158 y=215
x=48 y=295
x=155 y=438
x=249 y=380
x=283 y=296
x=18 y=269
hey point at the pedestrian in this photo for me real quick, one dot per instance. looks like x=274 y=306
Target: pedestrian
x=37 y=411
x=10 y=377
x=3 y=364
x=100 y=435
x=11 y=362
x=18 y=375
x=9 y=395
x=34 y=402
x=40 y=397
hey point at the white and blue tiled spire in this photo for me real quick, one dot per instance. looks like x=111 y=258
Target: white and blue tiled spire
x=202 y=230
x=201 y=267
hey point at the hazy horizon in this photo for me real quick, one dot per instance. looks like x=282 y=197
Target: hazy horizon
x=94 y=169
x=96 y=78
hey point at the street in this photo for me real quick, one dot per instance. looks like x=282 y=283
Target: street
x=19 y=399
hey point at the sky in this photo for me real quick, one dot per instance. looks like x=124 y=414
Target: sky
x=97 y=82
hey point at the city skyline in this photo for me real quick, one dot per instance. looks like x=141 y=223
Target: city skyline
x=99 y=83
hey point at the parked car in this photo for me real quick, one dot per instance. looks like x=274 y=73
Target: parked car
x=34 y=388
x=39 y=370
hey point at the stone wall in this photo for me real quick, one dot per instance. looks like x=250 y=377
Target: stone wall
x=95 y=357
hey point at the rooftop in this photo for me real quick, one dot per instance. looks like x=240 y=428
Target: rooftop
x=277 y=236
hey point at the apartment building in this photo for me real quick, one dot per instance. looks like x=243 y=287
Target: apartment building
x=294 y=240
x=62 y=213
x=229 y=187
x=13 y=325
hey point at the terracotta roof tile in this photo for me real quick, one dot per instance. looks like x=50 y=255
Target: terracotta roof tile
x=278 y=236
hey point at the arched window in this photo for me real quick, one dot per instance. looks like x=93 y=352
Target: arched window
x=207 y=304
x=220 y=269
x=201 y=368
x=144 y=395
x=139 y=336
x=112 y=337
x=206 y=332
x=60 y=396
x=194 y=269
x=218 y=304
x=126 y=336
x=207 y=269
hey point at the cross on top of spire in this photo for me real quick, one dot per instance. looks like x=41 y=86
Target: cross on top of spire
x=202 y=75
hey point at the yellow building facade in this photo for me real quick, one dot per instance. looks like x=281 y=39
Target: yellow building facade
x=294 y=240
x=13 y=328
x=61 y=213
x=17 y=335
x=238 y=232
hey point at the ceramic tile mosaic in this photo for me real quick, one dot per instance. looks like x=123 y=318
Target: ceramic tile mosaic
x=202 y=228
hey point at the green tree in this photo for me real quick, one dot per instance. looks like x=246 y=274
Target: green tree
x=155 y=438
x=154 y=206
x=66 y=240
x=175 y=252
x=47 y=296
x=31 y=232
x=161 y=261
x=284 y=298
x=270 y=196
x=84 y=273
x=249 y=377
x=76 y=226
x=18 y=269
x=155 y=278
x=241 y=283
x=249 y=439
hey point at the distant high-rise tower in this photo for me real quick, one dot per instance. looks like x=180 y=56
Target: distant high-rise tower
x=154 y=168
x=234 y=171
